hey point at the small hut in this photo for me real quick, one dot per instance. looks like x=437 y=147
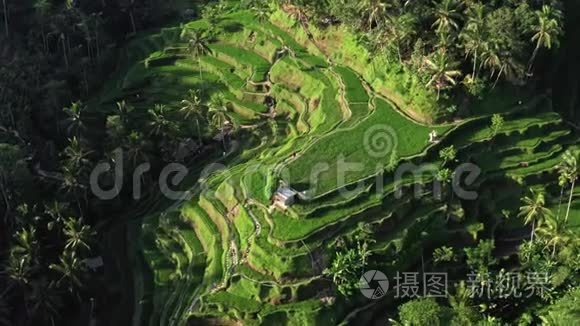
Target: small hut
x=284 y=197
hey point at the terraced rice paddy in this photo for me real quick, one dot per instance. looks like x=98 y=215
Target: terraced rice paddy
x=224 y=254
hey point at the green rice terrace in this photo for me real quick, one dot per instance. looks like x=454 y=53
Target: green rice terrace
x=224 y=255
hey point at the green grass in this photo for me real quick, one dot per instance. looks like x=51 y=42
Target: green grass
x=403 y=135
x=243 y=58
x=355 y=92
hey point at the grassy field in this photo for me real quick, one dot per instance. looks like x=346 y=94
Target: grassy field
x=391 y=131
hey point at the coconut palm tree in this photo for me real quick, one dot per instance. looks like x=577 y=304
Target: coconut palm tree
x=444 y=72
x=197 y=46
x=75 y=119
x=448 y=154
x=71 y=184
x=219 y=117
x=76 y=155
x=401 y=29
x=25 y=243
x=473 y=42
x=55 y=210
x=78 y=235
x=554 y=233
x=374 y=12
x=569 y=171
x=22 y=259
x=136 y=145
x=124 y=109
x=43 y=8
x=473 y=34
x=5 y=9
x=192 y=107
x=534 y=210
x=19 y=269
x=447 y=15
x=159 y=123
x=500 y=62
x=70 y=268
x=129 y=7
x=444 y=176
x=262 y=11
x=547 y=30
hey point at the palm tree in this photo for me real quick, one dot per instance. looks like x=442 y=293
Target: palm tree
x=448 y=154
x=78 y=235
x=401 y=29
x=23 y=255
x=448 y=15
x=71 y=183
x=192 y=106
x=374 y=12
x=135 y=144
x=569 y=171
x=55 y=210
x=6 y=30
x=70 y=268
x=197 y=46
x=443 y=71
x=554 y=232
x=500 y=61
x=130 y=8
x=75 y=154
x=43 y=8
x=473 y=34
x=218 y=111
x=124 y=110
x=262 y=11
x=534 y=211
x=219 y=117
x=547 y=30
x=19 y=269
x=472 y=42
x=25 y=243
x=159 y=123
x=75 y=118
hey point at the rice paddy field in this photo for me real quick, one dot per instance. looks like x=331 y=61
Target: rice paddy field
x=222 y=256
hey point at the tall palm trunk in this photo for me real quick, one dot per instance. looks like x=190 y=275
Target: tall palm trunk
x=97 y=42
x=498 y=76
x=533 y=58
x=5 y=18
x=132 y=17
x=533 y=229
x=43 y=33
x=473 y=75
x=198 y=131
x=560 y=202
x=570 y=200
x=64 y=50
x=199 y=64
